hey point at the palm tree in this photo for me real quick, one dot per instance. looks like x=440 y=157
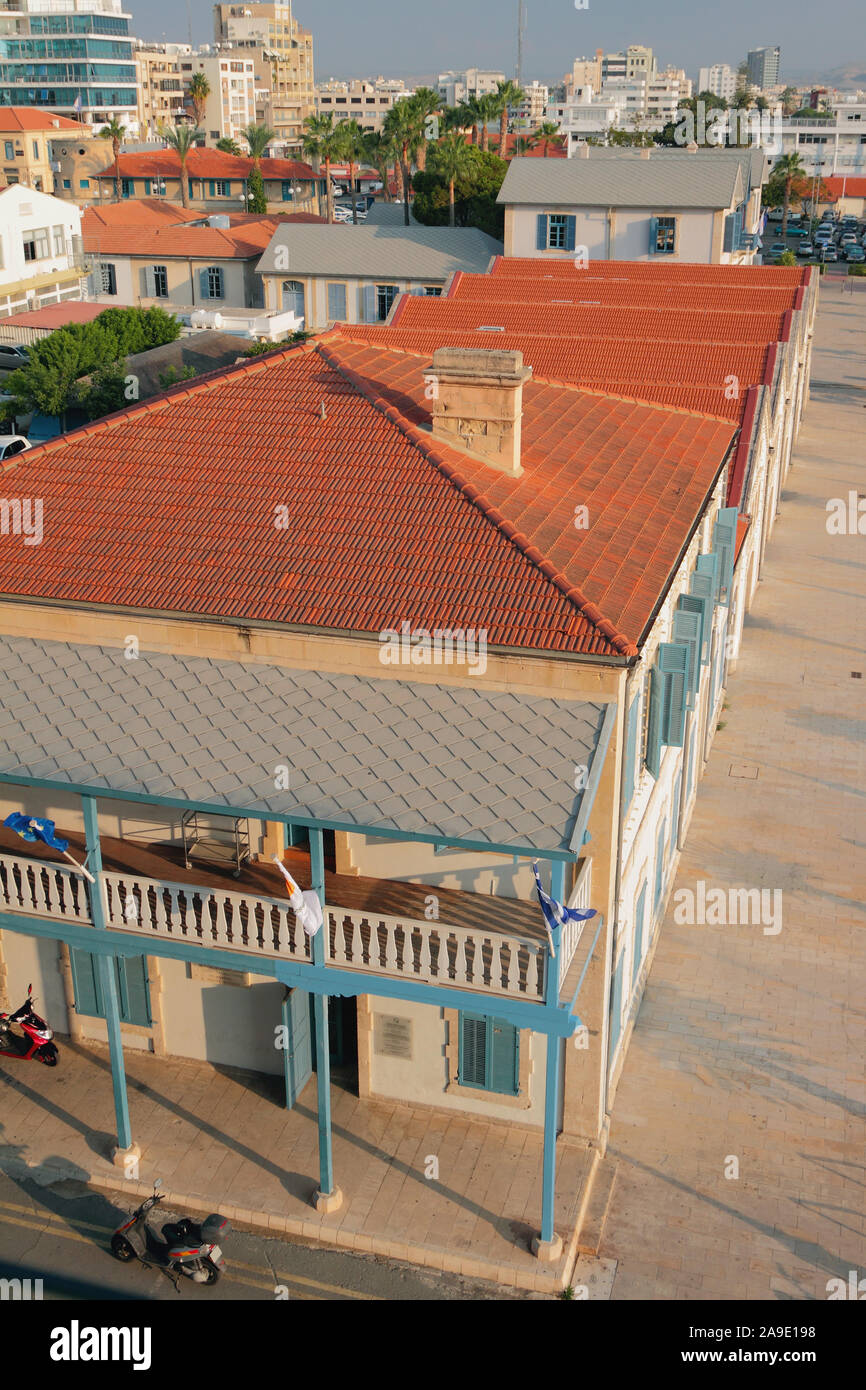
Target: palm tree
x=401 y=126
x=425 y=103
x=379 y=152
x=543 y=135
x=199 y=91
x=257 y=137
x=116 y=133
x=351 y=149
x=791 y=167
x=467 y=114
x=488 y=109
x=451 y=159
x=507 y=94
x=228 y=146
x=182 y=139
x=322 y=143
x=522 y=144
x=789 y=100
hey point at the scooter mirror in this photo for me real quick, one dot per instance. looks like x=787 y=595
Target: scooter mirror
x=158 y=1183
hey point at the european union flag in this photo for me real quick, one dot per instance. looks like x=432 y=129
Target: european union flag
x=33 y=828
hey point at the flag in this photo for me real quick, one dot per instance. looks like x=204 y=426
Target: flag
x=76 y=105
x=306 y=906
x=555 y=913
x=32 y=828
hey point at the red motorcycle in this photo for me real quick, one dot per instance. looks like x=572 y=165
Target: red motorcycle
x=35 y=1045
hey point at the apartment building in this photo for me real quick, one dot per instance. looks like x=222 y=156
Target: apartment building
x=636 y=62
x=455 y=87
x=763 y=67
x=368 y=103
x=720 y=79
x=161 y=100
x=231 y=103
x=25 y=141
x=76 y=58
x=282 y=51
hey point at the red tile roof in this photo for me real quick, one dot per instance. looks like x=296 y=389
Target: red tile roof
x=31 y=118
x=205 y=164
x=140 y=212
x=388 y=523
x=221 y=243
x=678 y=272
x=839 y=187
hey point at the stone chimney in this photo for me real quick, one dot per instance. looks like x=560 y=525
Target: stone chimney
x=645 y=152
x=478 y=403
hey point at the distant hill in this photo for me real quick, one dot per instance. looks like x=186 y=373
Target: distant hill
x=851 y=75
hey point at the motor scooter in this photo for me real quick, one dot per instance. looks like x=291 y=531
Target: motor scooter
x=186 y=1247
x=33 y=1043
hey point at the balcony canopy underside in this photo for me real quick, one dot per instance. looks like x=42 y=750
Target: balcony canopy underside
x=400 y=758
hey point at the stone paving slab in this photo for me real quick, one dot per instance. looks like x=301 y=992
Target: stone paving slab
x=749 y=1045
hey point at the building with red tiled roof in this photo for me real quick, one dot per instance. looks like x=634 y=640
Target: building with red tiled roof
x=25 y=135
x=845 y=194
x=215 y=180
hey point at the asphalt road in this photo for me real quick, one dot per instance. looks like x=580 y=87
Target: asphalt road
x=61 y=1233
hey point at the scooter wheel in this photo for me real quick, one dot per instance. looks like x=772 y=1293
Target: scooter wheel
x=49 y=1055
x=211 y=1271
x=121 y=1249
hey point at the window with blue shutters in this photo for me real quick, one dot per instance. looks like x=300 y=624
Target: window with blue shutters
x=687 y=633
x=336 y=302
x=489 y=1055
x=132 y=989
x=730 y=232
x=211 y=284
x=637 y=945
x=661 y=846
x=675 y=812
x=616 y=1006
x=556 y=231
x=654 y=723
x=663 y=236
x=724 y=544
x=628 y=771
x=701 y=600
x=673 y=667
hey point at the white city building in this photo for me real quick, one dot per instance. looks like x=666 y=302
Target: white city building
x=41 y=256
x=831 y=144
x=231 y=104
x=455 y=87
x=720 y=79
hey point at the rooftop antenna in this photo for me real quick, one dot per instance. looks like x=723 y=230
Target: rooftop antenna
x=189 y=21
x=521 y=27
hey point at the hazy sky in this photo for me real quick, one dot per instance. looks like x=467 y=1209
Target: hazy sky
x=397 y=37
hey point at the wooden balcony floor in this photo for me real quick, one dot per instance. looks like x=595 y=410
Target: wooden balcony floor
x=392 y=898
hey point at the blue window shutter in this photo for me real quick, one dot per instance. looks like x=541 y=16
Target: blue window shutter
x=709 y=564
x=228 y=192
x=687 y=631
x=653 y=235
x=616 y=1007
x=503 y=1057
x=654 y=723
x=212 y=187
x=637 y=951
x=202 y=284
x=630 y=743
x=661 y=845
x=370 y=310
x=191 y=191
x=133 y=991
x=675 y=812
x=701 y=600
x=541 y=232
x=336 y=302
x=724 y=543
x=673 y=665
x=147 y=188
x=728 y=243
x=472 y=1070
x=85 y=983
x=570 y=226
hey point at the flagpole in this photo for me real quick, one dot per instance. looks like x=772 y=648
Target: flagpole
x=80 y=867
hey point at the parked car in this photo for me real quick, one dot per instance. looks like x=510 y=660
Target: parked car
x=828 y=254
x=13 y=356
x=778 y=248
x=12 y=444
x=855 y=253
x=798 y=231
x=805 y=249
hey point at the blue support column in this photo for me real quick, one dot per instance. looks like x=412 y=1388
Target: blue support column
x=107 y=979
x=549 y=1246
x=329 y=1197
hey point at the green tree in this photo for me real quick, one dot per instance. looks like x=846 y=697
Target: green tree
x=507 y=94
x=790 y=169
x=543 y=136
x=116 y=133
x=451 y=160
x=257 y=137
x=402 y=127
x=228 y=146
x=105 y=392
x=198 y=92
x=789 y=100
x=488 y=109
x=322 y=143
x=378 y=150
x=256 y=199
x=424 y=103
x=47 y=383
x=351 y=145
x=787 y=258
x=475 y=192
x=182 y=140
x=172 y=375
x=466 y=117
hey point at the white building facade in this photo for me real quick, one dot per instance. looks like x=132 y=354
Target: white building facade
x=41 y=256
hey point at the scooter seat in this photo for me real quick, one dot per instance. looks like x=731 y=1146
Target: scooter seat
x=183 y=1232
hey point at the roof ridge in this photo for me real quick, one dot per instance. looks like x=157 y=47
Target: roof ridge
x=422 y=441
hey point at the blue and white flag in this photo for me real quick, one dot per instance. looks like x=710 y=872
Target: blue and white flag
x=76 y=105
x=556 y=914
x=35 y=828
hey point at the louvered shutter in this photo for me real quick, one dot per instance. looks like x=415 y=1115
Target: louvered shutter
x=336 y=302
x=85 y=983
x=661 y=846
x=637 y=941
x=654 y=723
x=149 y=282
x=541 y=232
x=570 y=228
x=133 y=991
x=630 y=744
x=616 y=1007
x=701 y=592
x=709 y=564
x=653 y=235
x=369 y=301
x=203 y=285
x=724 y=544
x=673 y=665
x=687 y=631
x=211 y=185
x=503 y=1057
x=473 y=1051
x=730 y=226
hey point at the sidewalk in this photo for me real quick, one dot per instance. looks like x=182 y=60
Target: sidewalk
x=751 y=1045
x=222 y=1140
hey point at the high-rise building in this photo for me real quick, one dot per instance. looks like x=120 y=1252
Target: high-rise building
x=455 y=87
x=75 y=57
x=160 y=86
x=636 y=62
x=585 y=72
x=720 y=79
x=763 y=67
x=282 y=53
